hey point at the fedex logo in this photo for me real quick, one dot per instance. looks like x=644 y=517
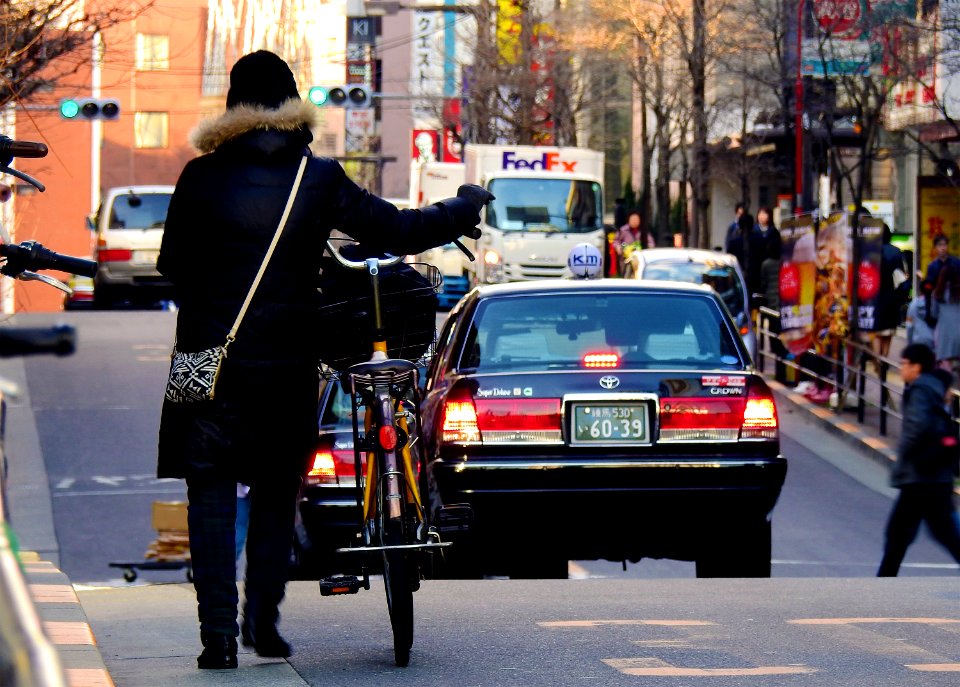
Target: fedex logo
x=549 y=162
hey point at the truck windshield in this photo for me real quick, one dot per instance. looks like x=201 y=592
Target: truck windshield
x=546 y=205
x=139 y=211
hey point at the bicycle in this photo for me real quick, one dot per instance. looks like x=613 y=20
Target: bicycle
x=390 y=471
x=36 y=658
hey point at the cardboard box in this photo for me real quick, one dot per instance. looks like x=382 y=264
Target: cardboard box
x=170 y=515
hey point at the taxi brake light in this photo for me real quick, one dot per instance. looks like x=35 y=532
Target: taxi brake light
x=324 y=467
x=759 y=418
x=601 y=360
x=460 y=422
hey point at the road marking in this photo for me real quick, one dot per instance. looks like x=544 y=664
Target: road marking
x=120 y=492
x=599 y=623
x=151 y=347
x=109 y=481
x=153 y=359
x=856 y=621
x=65 y=483
x=655 y=667
x=935 y=667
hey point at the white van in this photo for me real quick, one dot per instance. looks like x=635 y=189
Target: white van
x=129 y=229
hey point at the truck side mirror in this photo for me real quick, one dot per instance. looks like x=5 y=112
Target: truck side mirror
x=92 y=222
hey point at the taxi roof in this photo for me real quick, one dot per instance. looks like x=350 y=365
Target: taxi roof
x=554 y=286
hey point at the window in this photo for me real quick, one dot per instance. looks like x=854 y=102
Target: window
x=545 y=205
x=153 y=52
x=150 y=129
x=146 y=211
x=646 y=331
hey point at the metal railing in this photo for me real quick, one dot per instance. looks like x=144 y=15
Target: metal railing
x=848 y=373
x=27 y=657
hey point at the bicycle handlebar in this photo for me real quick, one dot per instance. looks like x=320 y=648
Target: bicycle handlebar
x=16 y=341
x=30 y=256
x=10 y=148
x=362 y=264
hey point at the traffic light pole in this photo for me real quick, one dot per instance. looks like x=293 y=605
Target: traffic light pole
x=96 y=126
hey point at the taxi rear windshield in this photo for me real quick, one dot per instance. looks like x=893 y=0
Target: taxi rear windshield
x=645 y=331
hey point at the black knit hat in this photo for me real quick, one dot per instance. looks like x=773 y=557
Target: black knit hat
x=261 y=78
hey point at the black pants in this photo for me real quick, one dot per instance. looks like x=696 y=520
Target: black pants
x=932 y=503
x=212 y=519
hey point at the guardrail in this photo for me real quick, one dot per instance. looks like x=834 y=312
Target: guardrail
x=27 y=657
x=847 y=372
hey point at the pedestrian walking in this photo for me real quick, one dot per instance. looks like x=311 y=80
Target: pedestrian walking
x=918 y=330
x=261 y=426
x=894 y=290
x=737 y=239
x=923 y=473
x=733 y=231
x=946 y=311
x=759 y=243
x=632 y=236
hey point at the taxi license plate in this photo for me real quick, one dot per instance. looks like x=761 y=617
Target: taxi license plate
x=609 y=423
x=145 y=257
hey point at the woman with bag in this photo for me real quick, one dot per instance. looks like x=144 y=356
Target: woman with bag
x=243 y=241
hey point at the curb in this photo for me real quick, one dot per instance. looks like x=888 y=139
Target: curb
x=879 y=449
x=65 y=623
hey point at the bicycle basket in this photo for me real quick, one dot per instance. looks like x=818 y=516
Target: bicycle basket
x=408 y=304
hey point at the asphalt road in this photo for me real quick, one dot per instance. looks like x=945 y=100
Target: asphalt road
x=97 y=415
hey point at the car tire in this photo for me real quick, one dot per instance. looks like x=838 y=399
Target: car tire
x=745 y=555
x=540 y=567
x=103 y=297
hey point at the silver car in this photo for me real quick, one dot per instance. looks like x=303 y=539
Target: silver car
x=695 y=266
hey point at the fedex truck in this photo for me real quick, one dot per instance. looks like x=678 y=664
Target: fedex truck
x=548 y=199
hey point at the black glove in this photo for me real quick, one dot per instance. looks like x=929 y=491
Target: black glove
x=478 y=197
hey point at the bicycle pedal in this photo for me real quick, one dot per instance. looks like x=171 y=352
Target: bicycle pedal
x=346 y=584
x=457 y=517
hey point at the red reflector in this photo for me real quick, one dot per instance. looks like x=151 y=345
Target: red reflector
x=595 y=360
x=518 y=414
x=114 y=255
x=388 y=437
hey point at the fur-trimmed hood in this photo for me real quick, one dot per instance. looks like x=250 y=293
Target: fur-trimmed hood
x=212 y=133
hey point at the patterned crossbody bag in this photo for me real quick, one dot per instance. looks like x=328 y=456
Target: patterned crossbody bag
x=193 y=376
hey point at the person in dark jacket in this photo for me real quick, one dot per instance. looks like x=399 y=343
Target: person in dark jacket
x=758 y=245
x=894 y=292
x=262 y=424
x=925 y=482
x=736 y=243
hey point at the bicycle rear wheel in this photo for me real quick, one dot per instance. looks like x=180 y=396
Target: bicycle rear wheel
x=396 y=581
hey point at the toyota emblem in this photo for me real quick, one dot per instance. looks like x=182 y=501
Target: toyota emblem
x=609 y=382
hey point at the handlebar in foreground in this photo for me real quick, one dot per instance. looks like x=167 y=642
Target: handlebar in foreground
x=30 y=256
x=59 y=340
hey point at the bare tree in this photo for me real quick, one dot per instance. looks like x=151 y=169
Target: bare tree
x=38 y=36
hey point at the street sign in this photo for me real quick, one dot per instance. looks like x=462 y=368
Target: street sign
x=361 y=122
x=361 y=30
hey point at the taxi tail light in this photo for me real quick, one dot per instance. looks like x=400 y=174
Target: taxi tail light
x=759 y=416
x=460 y=421
x=114 y=255
x=332 y=467
x=502 y=421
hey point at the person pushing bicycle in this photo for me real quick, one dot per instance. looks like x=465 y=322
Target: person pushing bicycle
x=260 y=427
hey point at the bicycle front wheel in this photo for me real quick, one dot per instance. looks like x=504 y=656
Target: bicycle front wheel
x=396 y=581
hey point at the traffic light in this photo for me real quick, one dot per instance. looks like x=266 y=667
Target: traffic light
x=86 y=109
x=349 y=96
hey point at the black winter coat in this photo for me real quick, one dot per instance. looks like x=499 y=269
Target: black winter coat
x=916 y=463
x=223 y=215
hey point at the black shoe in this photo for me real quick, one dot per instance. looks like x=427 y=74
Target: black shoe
x=219 y=651
x=265 y=640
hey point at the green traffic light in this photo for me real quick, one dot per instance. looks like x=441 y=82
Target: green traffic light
x=69 y=109
x=317 y=95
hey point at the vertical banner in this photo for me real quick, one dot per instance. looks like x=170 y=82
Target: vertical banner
x=832 y=303
x=798 y=276
x=939 y=208
x=869 y=273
